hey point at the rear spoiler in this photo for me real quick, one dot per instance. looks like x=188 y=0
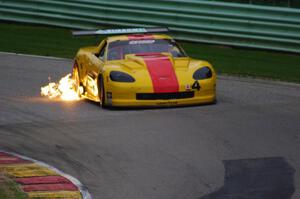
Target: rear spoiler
x=119 y=31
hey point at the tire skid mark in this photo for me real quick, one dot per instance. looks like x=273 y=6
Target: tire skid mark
x=39 y=180
x=76 y=164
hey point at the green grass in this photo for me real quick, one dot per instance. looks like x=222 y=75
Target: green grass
x=245 y=62
x=36 y=40
x=10 y=190
x=59 y=42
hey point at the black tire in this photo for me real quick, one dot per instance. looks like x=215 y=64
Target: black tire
x=215 y=101
x=101 y=91
x=75 y=76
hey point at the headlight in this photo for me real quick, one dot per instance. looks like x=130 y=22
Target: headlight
x=202 y=73
x=118 y=76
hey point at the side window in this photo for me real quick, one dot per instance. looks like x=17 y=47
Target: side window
x=102 y=52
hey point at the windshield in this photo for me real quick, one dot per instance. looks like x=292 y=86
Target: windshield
x=118 y=49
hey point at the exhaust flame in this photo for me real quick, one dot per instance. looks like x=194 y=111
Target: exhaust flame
x=64 y=89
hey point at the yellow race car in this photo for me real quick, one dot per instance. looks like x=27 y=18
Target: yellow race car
x=139 y=67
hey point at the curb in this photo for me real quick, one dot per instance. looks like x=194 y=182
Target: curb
x=40 y=180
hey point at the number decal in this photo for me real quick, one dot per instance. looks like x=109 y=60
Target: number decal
x=196 y=85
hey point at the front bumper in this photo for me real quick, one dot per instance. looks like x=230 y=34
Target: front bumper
x=135 y=101
x=142 y=94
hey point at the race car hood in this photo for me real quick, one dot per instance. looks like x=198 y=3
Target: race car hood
x=134 y=62
x=162 y=69
x=166 y=73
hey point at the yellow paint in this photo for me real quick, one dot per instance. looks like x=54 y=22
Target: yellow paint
x=124 y=94
x=57 y=194
x=26 y=170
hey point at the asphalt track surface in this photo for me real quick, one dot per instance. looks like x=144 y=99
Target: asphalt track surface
x=247 y=146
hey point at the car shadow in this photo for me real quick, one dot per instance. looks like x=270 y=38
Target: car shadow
x=141 y=108
x=262 y=178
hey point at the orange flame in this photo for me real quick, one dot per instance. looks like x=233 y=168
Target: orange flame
x=64 y=89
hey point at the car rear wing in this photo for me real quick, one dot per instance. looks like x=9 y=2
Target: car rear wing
x=119 y=31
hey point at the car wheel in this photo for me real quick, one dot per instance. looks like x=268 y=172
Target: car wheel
x=101 y=91
x=75 y=76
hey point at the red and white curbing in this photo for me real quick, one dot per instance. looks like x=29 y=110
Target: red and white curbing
x=61 y=176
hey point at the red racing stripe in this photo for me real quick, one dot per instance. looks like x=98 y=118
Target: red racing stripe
x=50 y=187
x=140 y=36
x=160 y=68
x=42 y=180
x=162 y=73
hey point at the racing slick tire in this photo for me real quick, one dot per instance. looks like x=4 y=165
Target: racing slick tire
x=101 y=91
x=77 y=85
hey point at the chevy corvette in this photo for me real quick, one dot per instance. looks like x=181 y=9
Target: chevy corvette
x=141 y=67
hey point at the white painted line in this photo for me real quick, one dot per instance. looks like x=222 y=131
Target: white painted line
x=250 y=79
x=83 y=189
x=35 y=56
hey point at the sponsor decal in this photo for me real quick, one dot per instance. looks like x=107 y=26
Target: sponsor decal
x=135 y=42
x=167 y=103
x=109 y=98
x=121 y=31
x=187 y=87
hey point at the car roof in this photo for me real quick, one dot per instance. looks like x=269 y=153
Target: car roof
x=137 y=36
